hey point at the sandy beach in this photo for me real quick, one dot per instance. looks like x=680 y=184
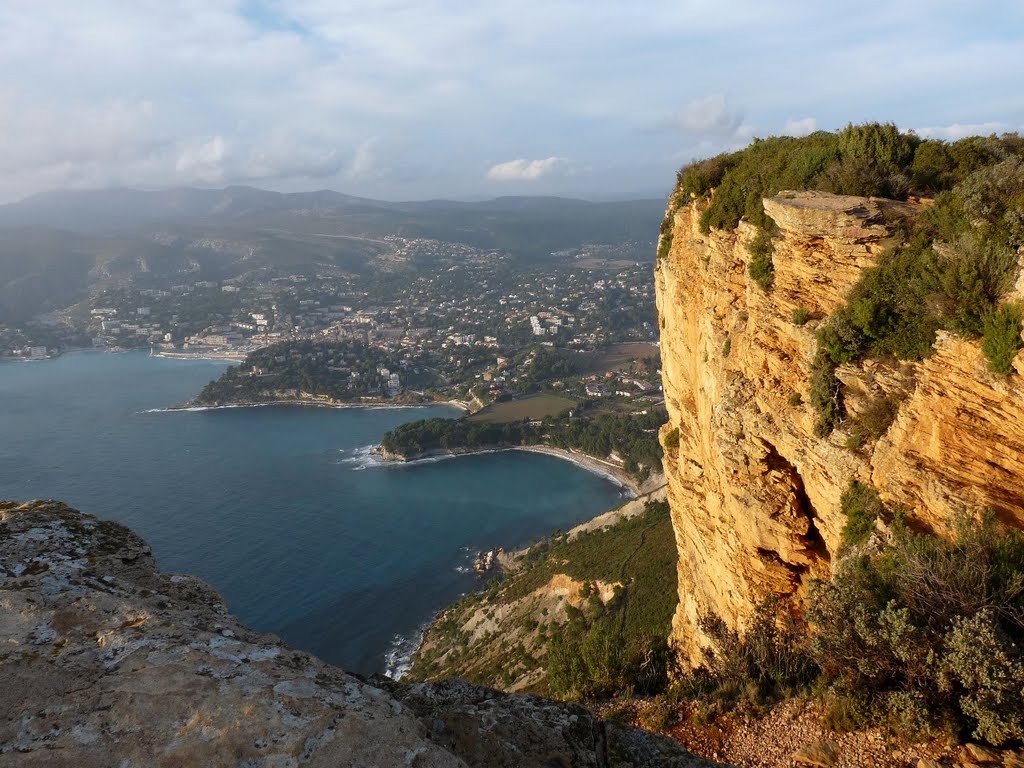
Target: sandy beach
x=590 y=463
x=606 y=469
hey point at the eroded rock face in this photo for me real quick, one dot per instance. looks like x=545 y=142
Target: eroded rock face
x=107 y=662
x=755 y=496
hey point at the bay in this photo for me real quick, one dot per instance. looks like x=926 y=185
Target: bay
x=280 y=508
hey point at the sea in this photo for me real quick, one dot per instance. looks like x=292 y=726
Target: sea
x=283 y=509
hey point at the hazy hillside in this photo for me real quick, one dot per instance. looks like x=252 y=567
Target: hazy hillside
x=55 y=246
x=533 y=224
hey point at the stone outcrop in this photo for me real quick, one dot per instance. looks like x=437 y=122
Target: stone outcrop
x=105 y=661
x=755 y=495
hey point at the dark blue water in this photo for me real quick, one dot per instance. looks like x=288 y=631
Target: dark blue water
x=278 y=507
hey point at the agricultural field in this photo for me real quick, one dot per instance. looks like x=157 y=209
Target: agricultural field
x=534 y=408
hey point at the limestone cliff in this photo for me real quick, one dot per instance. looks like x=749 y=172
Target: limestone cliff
x=755 y=495
x=107 y=662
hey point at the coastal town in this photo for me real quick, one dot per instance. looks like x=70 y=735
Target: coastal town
x=465 y=322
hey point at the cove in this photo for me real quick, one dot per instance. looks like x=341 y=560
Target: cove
x=280 y=508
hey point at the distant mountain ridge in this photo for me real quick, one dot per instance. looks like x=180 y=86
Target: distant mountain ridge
x=105 y=211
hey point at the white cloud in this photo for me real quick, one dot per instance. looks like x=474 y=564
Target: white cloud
x=285 y=157
x=525 y=170
x=959 y=131
x=711 y=115
x=38 y=135
x=802 y=127
x=364 y=160
x=203 y=162
x=294 y=87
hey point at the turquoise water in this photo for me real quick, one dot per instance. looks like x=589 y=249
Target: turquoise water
x=280 y=508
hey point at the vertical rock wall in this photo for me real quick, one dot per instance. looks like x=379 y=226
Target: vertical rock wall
x=755 y=495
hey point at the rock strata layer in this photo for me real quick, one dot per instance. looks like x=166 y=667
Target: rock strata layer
x=108 y=662
x=755 y=495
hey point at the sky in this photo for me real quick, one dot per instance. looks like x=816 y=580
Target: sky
x=416 y=99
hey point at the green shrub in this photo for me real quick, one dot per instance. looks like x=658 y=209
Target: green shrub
x=1002 y=338
x=593 y=661
x=861 y=506
x=925 y=634
x=665 y=242
x=840 y=340
x=874 y=159
x=870 y=159
x=876 y=418
x=672 y=439
x=978 y=272
x=983 y=660
x=658 y=717
x=727 y=347
x=929 y=631
x=933 y=167
x=766 y=663
x=664 y=246
x=844 y=711
x=700 y=177
x=796 y=399
x=826 y=394
x=801 y=315
x=761 y=267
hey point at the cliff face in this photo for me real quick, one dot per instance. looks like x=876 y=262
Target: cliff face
x=755 y=495
x=106 y=661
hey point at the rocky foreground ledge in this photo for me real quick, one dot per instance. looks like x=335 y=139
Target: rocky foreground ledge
x=105 y=661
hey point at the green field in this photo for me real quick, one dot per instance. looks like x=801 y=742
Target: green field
x=534 y=408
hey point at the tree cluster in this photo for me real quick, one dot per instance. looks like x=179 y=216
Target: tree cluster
x=633 y=437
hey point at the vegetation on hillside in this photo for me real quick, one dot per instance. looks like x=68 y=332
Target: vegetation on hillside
x=596 y=650
x=761 y=268
x=340 y=370
x=633 y=437
x=927 y=633
x=919 y=633
x=946 y=270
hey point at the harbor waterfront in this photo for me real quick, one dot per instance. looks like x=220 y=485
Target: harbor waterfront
x=284 y=509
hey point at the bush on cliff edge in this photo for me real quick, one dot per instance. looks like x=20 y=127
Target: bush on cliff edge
x=929 y=633
x=923 y=634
